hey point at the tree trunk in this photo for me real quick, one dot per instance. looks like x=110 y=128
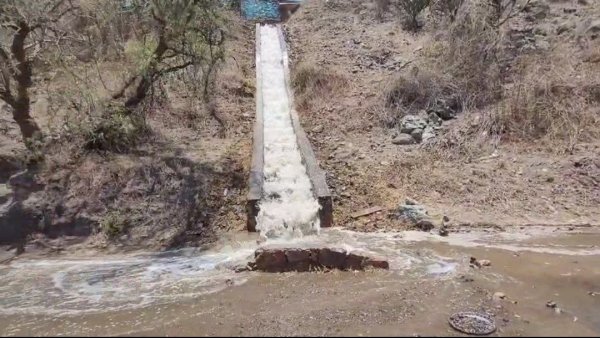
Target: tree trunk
x=147 y=78
x=27 y=125
x=21 y=104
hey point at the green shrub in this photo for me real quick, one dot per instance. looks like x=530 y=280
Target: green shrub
x=114 y=224
x=117 y=131
x=412 y=9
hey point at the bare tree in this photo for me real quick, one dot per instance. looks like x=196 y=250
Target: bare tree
x=447 y=8
x=183 y=34
x=505 y=10
x=25 y=24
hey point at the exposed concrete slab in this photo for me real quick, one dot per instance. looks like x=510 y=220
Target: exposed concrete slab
x=255 y=182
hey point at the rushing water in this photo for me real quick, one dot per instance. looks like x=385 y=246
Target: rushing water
x=40 y=293
x=288 y=208
x=110 y=283
x=76 y=285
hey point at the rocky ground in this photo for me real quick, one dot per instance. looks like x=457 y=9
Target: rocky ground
x=479 y=180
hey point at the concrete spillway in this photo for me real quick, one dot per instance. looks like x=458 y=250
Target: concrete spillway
x=288 y=194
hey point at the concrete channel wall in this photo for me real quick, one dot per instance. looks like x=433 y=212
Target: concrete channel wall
x=256 y=179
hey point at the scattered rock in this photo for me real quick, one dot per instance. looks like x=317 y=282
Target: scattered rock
x=241 y=268
x=564 y=27
x=434 y=119
x=443 y=231
x=466 y=279
x=446 y=219
x=485 y=262
x=403 y=139
x=417 y=135
x=498 y=296
x=479 y=262
x=428 y=134
x=412 y=122
x=412 y=213
x=424 y=225
x=421 y=128
x=446 y=109
x=551 y=304
x=410 y=201
x=318 y=129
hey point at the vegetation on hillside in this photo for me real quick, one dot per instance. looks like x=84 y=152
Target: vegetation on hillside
x=151 y=41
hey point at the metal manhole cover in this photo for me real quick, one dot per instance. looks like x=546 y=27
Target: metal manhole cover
x=472 y=323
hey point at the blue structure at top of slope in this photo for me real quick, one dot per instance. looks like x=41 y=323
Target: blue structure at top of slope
x=261 y=10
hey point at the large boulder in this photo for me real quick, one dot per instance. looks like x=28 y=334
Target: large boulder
x=403 y=139
x=445 y=108
x=412 y=122
x=412 y=212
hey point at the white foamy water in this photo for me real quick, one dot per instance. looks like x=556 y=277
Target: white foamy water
x=288 y=208
x=83 y=285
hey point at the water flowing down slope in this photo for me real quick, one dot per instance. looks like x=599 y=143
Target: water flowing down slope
x=288 y=208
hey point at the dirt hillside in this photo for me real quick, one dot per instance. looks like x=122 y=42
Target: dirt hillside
x=484 y=166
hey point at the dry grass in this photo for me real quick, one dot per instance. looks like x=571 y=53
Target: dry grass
x=469 y=55
x=381 y=8
x=461 y=65
x=551 y=96
x=313 y=84
x=418 y=90
x=553 y=101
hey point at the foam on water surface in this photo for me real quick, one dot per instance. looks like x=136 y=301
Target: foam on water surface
x=72 y=286
x=288 y=208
